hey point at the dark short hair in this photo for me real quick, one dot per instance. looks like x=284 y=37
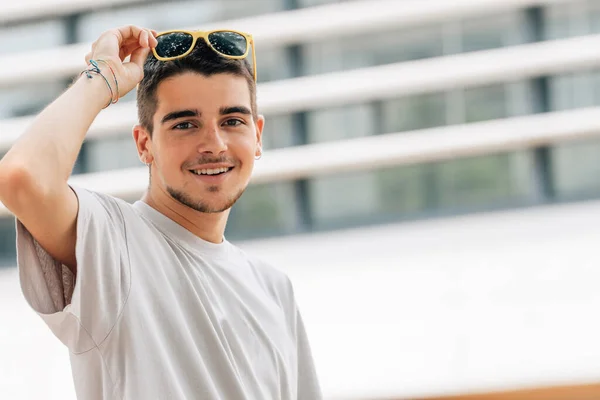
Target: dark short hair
x=202 y=60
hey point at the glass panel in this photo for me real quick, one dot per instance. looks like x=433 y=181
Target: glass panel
x=32 y=36
x=557 y=21
x=576 y=167
x=484 y=181
x=497 y=101
x=574 y=90
x=8 y=251
x=280 y=131
x=414 y=112
x=341 y=123
x=109 y=154
x=312 y=3
x=485 y=103
x=406 y=191
x=571 y=19
x=493 y=32
x=272 y=64
x=594 y=14
x=264 y=210
x=372 y=49
x=561 y=92
x=343 y=199
x=28 y=99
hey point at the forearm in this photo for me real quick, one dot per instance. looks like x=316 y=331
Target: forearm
x=48 y=149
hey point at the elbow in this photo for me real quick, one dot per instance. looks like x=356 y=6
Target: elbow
x=17 y=186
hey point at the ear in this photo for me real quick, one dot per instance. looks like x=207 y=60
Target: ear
x=260 y=125
x=143 y=142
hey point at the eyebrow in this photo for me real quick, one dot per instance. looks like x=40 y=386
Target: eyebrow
x=179 y=114
x=235 y=110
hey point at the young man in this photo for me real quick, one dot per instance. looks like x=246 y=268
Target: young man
x=149 y=298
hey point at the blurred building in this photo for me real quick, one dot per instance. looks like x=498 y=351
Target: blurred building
x=380 y=113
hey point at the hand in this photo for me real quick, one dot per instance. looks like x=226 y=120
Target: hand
x=114 y=46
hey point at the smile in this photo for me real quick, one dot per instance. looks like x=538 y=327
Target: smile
x=211 y=172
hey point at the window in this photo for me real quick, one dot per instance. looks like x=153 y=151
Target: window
x=109 y=153
x=485 y=103
x=414 y=112
x=264 y=210
x=574 y=90
x=280 y=131
x=493 y=32
x=32 y=36
x=576 y=167
x=8 y=250
x=312 y=3
x=407 y=191
x=28 y=99
x=483 y=181
x=273 y=64
x=371 y=49
x=340 y=123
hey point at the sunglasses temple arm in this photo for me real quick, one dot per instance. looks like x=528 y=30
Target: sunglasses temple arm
x=254 y=59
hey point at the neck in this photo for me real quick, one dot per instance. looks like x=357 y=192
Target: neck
x=207 y=226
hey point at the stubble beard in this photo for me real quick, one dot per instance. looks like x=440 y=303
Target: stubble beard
x=200 y=205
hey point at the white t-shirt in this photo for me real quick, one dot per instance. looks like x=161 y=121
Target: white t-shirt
x=157 y=313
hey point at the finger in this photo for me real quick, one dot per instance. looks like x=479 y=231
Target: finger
x=139 y=56
x=122 y=35
x=128 y=50
x=130 y=32
x=144 y=39
x=88 y=57
x=153 y=40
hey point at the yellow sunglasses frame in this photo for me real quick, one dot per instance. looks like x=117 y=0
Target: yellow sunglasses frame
x=204 y=35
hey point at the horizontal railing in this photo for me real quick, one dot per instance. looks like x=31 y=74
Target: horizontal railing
x=277 y=29
x=13 y=11
x=380 y=151
x=382 y=82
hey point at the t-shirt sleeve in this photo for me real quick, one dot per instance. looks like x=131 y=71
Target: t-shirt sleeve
x=308 y=381
x=81 y=310
x=308 y=386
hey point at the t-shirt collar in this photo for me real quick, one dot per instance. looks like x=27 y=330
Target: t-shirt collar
x=177 y=232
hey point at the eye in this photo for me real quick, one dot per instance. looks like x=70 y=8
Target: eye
x=233 y=122
x=184 y=126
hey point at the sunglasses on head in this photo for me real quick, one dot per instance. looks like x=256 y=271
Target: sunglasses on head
x=228 y=43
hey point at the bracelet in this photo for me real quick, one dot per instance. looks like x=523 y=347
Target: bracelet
x=115 y=78
x=96 y=70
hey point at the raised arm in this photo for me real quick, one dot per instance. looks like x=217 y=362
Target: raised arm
x=34 y=172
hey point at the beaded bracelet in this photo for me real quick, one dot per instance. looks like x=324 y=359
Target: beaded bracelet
x=96 y=70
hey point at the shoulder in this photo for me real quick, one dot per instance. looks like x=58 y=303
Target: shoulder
x=276 y=281
x=91 y=198
x=96 y=203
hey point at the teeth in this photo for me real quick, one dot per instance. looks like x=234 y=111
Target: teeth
x=210 y=171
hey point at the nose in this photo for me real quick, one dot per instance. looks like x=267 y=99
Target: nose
x=213 y=141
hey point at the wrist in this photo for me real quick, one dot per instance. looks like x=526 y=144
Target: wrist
x=94 y=90
x=107 y=74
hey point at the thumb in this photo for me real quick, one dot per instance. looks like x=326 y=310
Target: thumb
x=135 y=66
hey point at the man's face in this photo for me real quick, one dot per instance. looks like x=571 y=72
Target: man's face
x=204 y=140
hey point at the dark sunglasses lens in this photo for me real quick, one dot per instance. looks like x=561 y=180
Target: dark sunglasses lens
x=228 y=43
x=173 y=44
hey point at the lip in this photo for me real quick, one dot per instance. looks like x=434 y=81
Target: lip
x=212 y=179
x=211 y=166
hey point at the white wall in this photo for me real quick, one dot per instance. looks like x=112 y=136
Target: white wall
x=482 y=302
